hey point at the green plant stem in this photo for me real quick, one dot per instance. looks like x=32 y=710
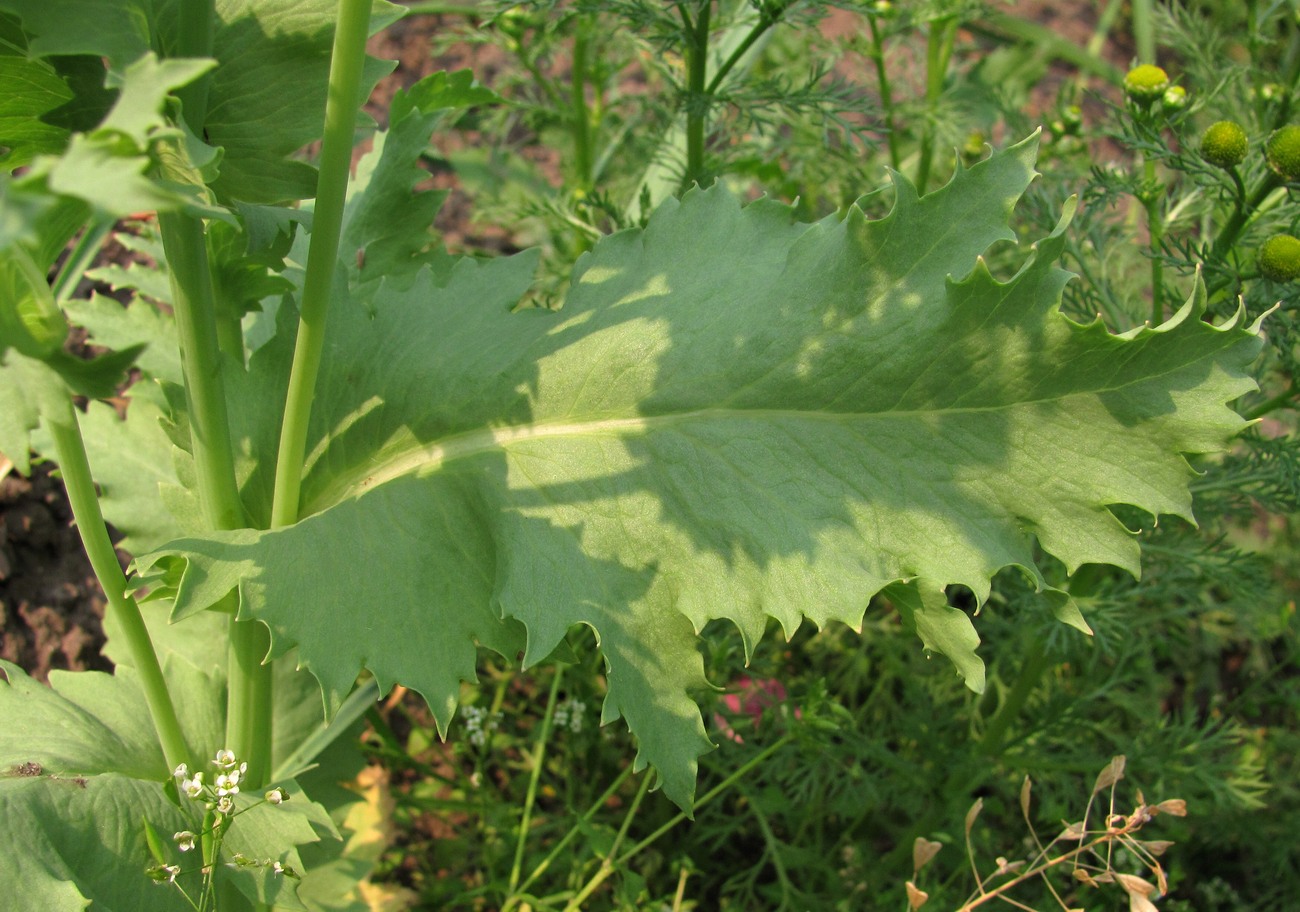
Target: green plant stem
x=579 y=113
x=1033 y=667
x=75 y=469
x=357 y=704
x=79 y=260
x=538 y=760
x=1144 y=31
x=195 y=308
x=697 y=107
x=249 y=717
x=709 y=795
x=1151 y=197
x=1281 y=400
x=607 y=864
x=886 y=93
x=938 y=51
x=1241 y=215
x=248 y=689
x=765 y=21
x=327 y=222
x=517 y=895
x=445 y=9
x=773 y=852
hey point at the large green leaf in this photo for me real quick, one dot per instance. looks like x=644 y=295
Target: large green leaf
x=734 y=416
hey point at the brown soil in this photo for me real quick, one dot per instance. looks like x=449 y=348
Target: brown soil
x=50 y=605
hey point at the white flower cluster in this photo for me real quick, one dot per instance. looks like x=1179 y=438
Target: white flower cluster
x=479 y=723
x=569 y=714
x=220 y=795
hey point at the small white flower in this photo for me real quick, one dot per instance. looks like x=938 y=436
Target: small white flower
x=277 y=868
x=227 y=784
x=225 y=804
x=181 y=771
x=193 y=787
x=164 y=874
x=276 y=796
x=184 y=840
x=225 y=759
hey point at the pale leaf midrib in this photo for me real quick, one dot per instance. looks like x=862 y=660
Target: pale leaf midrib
x=433 y=455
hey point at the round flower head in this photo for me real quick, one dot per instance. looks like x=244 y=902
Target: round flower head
x=1146 y=83
x=1279 y=258
x=1224 y=144
x=1283 y=152
x=1174 y=99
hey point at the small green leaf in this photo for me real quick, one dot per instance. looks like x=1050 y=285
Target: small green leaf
x=30 y=321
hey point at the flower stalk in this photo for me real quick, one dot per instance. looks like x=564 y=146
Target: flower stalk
x=327 y=224
x=75 y=469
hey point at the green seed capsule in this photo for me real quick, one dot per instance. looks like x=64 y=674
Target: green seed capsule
x=1279 y=258
x=1283 y=152
x=1224 y=144
x=1146 y=83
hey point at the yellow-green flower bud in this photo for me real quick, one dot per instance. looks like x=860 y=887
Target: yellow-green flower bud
x=1283 y=152
x=1224 y=144
x=1279 y=258
x=1174 y=99
x=1146 y=83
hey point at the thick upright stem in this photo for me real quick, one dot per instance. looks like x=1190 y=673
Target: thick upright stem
x=331 y=192
x=697 y=108
x=248 y=699
x=75 y=469
x=195 y=308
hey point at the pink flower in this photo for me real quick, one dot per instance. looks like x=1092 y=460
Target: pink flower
x=750 y=697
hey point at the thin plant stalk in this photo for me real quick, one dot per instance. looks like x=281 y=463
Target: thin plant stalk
x=612 y=863
x=886 y=93
x=708 y=796
x=75 y=469
x=516 y=895
x=766 y=20
x=938 y=51
x=79 y=260
x=538 y=759
x=578 y=110
x=607 y=864
x=346 y=66
x=1151 y=197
